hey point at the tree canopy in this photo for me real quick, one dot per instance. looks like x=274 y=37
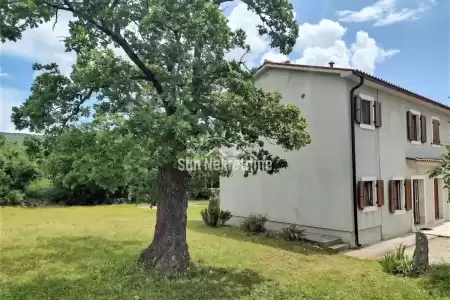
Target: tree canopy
x=171 y=90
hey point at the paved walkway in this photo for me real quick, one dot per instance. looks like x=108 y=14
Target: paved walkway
x=439 y=245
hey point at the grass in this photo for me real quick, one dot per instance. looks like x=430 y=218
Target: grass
x=90 y=253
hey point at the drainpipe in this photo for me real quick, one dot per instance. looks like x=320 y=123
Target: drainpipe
x=352 y=130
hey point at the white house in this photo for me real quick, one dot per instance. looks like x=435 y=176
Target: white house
x=364 y=178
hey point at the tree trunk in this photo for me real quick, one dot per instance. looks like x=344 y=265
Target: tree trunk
x=168 y=252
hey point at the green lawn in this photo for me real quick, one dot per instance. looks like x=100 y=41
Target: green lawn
x=90 y=253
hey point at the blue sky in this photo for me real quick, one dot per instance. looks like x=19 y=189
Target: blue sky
x=406 y=42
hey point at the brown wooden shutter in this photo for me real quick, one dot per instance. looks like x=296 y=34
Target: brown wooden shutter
x=362 y=202
x=377 y=107
x=358 y=116
x=409 y=131
x=433 y=123
x=392 y=196
x=423 y=129
x=408 y=196
x=438 y=133
x=380 y=193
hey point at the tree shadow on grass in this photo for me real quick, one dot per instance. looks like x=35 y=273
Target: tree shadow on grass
x=236 y=234
x=438 y=281
x=97 y=268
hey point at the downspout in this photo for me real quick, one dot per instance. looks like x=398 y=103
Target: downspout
x=352 y=130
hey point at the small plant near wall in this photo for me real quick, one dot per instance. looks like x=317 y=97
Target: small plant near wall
x=254 y=223
x=291 y=233
x=398 y=262
x=213 y=216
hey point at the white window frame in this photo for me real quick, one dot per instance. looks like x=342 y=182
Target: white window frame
x=402 y=210
x=374 y=206
x=432 y=132
x=419 y=138
x=372 y=112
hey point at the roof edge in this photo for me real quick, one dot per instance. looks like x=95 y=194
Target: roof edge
x=287 y=65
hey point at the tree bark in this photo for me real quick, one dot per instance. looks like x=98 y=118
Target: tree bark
x=168 y=252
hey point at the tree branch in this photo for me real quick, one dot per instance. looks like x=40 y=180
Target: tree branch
x=117 y=38
x=76 y=110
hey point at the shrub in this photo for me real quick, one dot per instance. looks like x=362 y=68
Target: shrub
x=15 y=197
x=397 y=262
x=254 y=223
x=213 y=216
x=41 y=189
x=291 y=233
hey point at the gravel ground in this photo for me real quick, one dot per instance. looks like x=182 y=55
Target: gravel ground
x=439 y=250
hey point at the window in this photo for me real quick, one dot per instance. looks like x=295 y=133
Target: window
x=436 y=134
x=413 y=126
x=398 y=192
x=415 y=135
x=366 y=112
x=368 y=193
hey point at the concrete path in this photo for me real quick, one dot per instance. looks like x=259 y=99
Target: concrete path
x=439 y=245
x=442 y=231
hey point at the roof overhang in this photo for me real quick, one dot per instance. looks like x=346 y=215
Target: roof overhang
x=424 y=160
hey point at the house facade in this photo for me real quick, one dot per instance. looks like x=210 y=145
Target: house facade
x=364 y=177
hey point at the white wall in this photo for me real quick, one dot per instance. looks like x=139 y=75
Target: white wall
x=315 y=190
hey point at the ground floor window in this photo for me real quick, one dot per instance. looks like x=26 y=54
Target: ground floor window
x=368 y=193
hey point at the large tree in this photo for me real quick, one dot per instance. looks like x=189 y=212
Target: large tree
x=172 y=90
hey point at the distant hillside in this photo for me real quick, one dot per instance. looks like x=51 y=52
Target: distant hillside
x=14 y=136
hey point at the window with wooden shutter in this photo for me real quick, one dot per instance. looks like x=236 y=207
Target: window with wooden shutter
x=436 y=133
x=392 y=196
x=377 y=108
x=408 y=195
x=409 y=126
x=380 y=193
x=361 y=195
x=423 y=129
x=358 y=109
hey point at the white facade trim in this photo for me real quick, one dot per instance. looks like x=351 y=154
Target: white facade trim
x=370 y=209
x=369 y=178
x=415 y=112
x=366 y=97
x=416 y=143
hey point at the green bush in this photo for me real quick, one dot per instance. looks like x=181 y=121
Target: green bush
x=254 y=223
x=213 y=216
x=14 y=197
x=291 y=233
x=41 y=189
x=397 y=262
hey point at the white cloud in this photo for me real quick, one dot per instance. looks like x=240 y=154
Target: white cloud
x=274 y=56
x=241 y=18
x=44 y=44
x=318 y=44
x=2 y=74
x=385 y=12
x=9 y=98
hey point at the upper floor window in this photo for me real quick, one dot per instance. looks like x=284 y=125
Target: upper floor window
x=367 y=112
x=416 y=127
x=435 y=130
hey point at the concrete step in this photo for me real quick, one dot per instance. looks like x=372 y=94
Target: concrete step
x=339 y=247
x=322 y=240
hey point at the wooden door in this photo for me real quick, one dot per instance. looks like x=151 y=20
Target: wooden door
x=436 y=198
